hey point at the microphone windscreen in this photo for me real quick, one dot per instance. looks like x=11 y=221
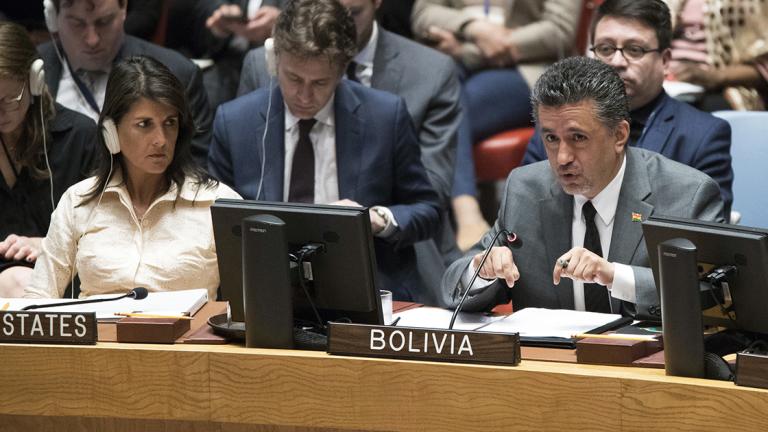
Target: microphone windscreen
x=139 y=293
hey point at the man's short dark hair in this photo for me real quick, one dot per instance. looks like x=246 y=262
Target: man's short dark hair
x=652 y=13
x=312 y=28
x=68 y=3
x=580 y=79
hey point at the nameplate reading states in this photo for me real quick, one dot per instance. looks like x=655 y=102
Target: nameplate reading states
x=423 y=344
x=48 y=327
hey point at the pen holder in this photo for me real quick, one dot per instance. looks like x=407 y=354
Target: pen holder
x=151 y=330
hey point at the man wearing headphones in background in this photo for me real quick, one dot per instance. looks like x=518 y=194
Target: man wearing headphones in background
x=633 y=37
x=317 y=138
x=386 y=61
x=91 y=40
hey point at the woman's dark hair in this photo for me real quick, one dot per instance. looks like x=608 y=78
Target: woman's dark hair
x=129 y=81
x=16 y=56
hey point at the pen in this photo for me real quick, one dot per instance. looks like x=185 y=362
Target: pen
x=394 y=323
x=615 y=336
x=144 y=315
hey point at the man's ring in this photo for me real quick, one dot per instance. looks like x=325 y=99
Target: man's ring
x=563 y=262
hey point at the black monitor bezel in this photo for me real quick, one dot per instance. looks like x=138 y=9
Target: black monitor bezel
x=365 y=262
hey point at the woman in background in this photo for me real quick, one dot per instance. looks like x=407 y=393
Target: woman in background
x=144 y=219
x=43 y=145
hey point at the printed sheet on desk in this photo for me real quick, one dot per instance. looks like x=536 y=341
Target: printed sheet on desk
x=185 y=302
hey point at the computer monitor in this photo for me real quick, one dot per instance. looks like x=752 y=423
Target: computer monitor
x=720 y=245
x=344 y=274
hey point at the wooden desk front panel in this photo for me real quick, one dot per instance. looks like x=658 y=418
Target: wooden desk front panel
x=211 y=387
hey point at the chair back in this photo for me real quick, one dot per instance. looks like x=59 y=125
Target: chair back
x=749 y=153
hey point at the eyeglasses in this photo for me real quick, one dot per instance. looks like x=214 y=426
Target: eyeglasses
x=630 y=52
x=13 y=104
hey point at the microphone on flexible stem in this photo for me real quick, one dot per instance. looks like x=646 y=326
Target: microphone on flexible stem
x=511 y=240
x=137 y=293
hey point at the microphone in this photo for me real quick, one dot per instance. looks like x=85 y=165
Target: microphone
x=137 y=293
x=510 y=240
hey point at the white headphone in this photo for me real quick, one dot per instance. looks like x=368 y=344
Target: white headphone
x=36 y=77
x=109 y=132
x=269 y=55
x=49 y=10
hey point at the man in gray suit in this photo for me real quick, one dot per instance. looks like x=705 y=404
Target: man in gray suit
x=427 y=80
x=578 y=217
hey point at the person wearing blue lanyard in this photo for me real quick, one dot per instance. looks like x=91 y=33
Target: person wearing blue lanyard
x=633 y=36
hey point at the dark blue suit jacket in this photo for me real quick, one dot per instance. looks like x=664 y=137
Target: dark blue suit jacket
x=377 y=158
x=681 y=133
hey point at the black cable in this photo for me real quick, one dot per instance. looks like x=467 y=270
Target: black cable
x=474 y=276
x=306 y=252
x=716 y=278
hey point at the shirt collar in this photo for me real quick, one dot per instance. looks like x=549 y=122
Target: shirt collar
x=607 y=200
x=324 y=116
x=190 y=191
x=366 y=55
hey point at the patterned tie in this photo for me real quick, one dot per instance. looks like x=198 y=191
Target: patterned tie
x=302 y=186
x=595 y=295
x=352 y=72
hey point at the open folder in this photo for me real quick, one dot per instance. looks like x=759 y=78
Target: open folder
x=536 y=326
x=555 y=327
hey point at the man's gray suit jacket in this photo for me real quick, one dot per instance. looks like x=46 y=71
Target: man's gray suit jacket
x=536 y=208
x=426 y=79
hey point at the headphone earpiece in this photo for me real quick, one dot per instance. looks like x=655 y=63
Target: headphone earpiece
x=270 y=57
x=51 y=21
x=109 y=132
x=36 y=77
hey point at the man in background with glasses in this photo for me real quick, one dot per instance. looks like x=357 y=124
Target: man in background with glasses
x=633 y=37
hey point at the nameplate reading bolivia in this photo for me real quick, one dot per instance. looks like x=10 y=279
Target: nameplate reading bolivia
x=48 y=327
x=423 y=344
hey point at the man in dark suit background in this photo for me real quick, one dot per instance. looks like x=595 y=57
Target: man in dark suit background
x=91 y=39
x=633 y=36
x=426 y=80
x=328 y=140
x=579 y=214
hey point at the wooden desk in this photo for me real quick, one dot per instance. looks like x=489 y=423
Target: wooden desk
x=198 y=388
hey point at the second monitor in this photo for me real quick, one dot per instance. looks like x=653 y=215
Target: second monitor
x=343 y=274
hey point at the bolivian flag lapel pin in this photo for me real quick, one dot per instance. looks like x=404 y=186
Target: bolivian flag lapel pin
x=637 y=217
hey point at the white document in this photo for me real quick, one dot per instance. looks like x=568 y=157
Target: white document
x=185 y=302
x=538 y=322
x=432 y=317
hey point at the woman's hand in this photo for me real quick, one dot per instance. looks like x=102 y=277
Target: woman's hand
x=18 y=248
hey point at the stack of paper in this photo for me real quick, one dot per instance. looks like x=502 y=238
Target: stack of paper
x=185 y=302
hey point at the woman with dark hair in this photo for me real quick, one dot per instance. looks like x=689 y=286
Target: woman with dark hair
x=144 y=218
x=46 y=148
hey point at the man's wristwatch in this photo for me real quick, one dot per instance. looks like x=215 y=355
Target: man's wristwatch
x=383 y=214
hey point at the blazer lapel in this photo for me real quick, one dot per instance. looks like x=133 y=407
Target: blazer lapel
x=349 y=140
x=556 y=214
x=274 y=147
x=387 y=72
x=658 y=129
x=627 y=232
